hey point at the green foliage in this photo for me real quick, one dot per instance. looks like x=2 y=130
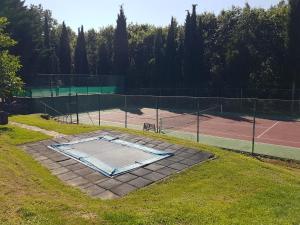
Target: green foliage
x=80 y=58
x=172 y=76
x=159 y=60
x=65 y=51
x=194 y=67
x=294 y=39
x=103 y=60
x=9 y=65
x=92 y=50
x=239 y=48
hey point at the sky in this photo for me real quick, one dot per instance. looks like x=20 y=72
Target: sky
x=99 y=13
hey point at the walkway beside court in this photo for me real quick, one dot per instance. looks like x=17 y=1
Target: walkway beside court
x=34 y=128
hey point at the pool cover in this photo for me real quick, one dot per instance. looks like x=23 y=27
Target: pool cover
x=110 y=156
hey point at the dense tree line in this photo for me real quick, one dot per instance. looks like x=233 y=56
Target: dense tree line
x=239 y=48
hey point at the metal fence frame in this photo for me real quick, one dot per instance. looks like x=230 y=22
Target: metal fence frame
x=253 y=107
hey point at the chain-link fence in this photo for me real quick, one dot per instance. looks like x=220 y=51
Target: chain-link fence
x=269 y=93
x=257 y=126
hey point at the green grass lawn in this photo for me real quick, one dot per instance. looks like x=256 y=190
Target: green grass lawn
x=36 y=120
x=233 y=189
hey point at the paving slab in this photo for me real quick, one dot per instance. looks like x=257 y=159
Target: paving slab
x=98 y=185
x=94 y=190
x=154 y=176
x=95 y=177
x=84 y=171
x=109 y=184
x=77 y=181
x=140 y=172
x=154 y=166
x=68 y=162
x=178 y=166
x=140 y=182
x=107 y=195
x=75 y=166
x=67 y=176
x=59 y=171
x=165 y=162
x=167 y=171
x=123 y=189
x=126 y=177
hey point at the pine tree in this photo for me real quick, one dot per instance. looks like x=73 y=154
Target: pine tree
x=294 y=41
x=171 y=54
x=80 y=58
x=121 y=55
x=65 y=51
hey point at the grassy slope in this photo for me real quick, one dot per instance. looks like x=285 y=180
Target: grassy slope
x=234 y=189
x=35 y=120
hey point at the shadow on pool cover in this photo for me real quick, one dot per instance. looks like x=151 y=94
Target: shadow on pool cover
x=110 y=156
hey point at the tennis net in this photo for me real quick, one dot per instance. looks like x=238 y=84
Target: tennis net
x=187 y=119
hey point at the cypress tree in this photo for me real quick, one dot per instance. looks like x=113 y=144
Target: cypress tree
x=201 y=66
x=46 y=33
x=65 y=51
x=179 y=62
x=187 y=50
x=121 y=54
x=171 y=54
x=104 y=63
x=92 y=50
x=159 y=79
x=294 y=40
x=48 y=58
x=194 y=68
x=80 y=58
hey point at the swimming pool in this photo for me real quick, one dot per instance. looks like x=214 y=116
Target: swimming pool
x=110 y=156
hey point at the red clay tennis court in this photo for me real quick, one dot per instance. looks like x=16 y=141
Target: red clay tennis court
x=279 y=133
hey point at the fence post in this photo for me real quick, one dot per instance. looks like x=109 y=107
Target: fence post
x=293 y=97
x=69 y=108
x=157 y=102
x=198 y=119
x=125 y=111
x=254 y=123
x=99 y=109
x=77 y=109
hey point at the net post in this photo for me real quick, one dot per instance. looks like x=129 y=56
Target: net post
x=77 y=109
x=125 y=106
x=99 y=109
x=157 y=106
x=254 y=123
x=198 y=119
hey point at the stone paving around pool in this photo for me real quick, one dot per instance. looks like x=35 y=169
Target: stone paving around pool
x=98 y=185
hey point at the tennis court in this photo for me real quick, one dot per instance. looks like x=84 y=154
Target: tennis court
x=273 y=137
x=262 y=126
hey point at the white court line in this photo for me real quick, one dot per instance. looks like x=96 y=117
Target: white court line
x=263 y=133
